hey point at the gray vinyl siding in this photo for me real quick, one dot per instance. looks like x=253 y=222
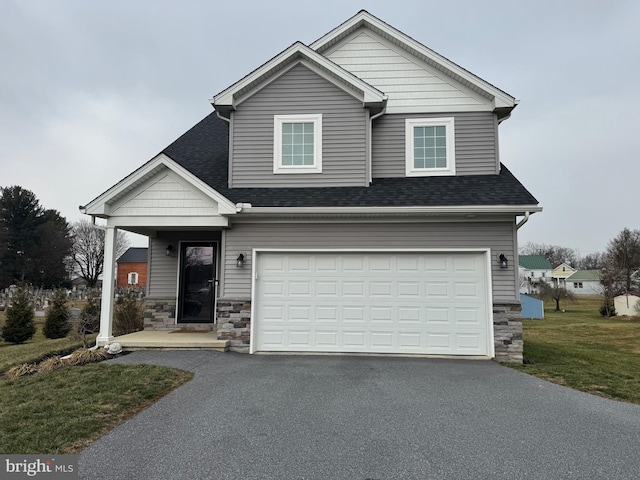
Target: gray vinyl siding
x=242 y=238
x=476 y=138
x=299 y=91
x=163 y=270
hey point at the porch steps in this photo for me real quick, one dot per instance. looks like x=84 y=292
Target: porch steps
x=168 y=340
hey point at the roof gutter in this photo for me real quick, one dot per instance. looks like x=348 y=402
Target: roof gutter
x=459 y=209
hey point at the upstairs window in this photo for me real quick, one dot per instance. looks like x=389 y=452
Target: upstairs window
x=429 y=147
x=297 y=144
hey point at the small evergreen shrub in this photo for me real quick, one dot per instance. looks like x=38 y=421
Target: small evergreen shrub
x=129 y=315
x=57 y=323
x=19 y=326
x=608 y=309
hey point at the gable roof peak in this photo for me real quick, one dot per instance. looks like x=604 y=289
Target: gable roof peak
x=503 y=102
x=298 y=52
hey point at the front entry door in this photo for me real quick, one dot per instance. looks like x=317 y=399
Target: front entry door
x=197 y=283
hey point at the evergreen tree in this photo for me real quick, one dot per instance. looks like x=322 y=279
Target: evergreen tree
x=34 y=242
x=19 y=326
x=57 y=323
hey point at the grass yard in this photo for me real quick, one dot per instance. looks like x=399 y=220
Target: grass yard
x=580 y=349
x=63 y=411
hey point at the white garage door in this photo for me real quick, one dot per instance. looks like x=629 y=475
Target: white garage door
x=374 y=302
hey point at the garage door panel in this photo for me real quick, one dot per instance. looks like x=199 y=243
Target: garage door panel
x=372 y=302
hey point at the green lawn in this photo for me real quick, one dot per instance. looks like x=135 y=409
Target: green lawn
x=63 y=411
x=583 y=350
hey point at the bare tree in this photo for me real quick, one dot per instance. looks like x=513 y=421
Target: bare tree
x=623 y=256
x=555 y=253
x=88 y=250
x=556 y=293
x=592 y=261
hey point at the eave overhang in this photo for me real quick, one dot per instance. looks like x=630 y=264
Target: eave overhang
x=467 y=211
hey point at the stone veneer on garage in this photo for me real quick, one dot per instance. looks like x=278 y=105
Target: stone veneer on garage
x=234 y=324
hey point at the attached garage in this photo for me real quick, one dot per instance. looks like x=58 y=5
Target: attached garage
x=398 y=302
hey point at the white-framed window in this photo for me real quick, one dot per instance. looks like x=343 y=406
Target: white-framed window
x=577 y=285
x=132 y=278
x=297 y=143
x=430 y=147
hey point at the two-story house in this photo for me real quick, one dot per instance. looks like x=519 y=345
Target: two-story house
x=533 y=270
x=345 y=196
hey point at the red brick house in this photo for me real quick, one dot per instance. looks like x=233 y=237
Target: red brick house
x=132 y=268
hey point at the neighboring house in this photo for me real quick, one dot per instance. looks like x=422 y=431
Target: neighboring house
x=627 y=304
x=585 y=282
x=531 y=307
x=345 y=196
x=132 y=268
x=532 y=270
x=561 y=272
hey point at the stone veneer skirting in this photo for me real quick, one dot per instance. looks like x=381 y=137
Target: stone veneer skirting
x=507 y=331
x=234 y=324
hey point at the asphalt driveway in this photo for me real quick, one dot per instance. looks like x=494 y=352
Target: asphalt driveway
x=339 y=417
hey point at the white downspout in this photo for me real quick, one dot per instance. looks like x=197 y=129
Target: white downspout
x=222 y=118
x=371 y=119
x=523 y=221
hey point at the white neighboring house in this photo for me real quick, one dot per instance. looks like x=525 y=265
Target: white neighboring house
x=584 y=282
x=533 y=269
x=627 y=305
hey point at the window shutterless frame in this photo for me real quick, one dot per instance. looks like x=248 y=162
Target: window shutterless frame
x=297 y=143
x=430 y=147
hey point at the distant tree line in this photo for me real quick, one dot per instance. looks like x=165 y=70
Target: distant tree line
x=39 y=247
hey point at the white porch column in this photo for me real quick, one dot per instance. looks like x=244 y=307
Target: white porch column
x=106 y=310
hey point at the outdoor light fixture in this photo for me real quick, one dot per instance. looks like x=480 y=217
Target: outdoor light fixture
x=169 y=250
x=240 y=261
x=503 y=261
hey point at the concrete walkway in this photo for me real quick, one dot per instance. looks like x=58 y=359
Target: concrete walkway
x=339 y=417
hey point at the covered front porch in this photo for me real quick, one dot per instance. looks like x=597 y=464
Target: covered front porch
x=184 y=220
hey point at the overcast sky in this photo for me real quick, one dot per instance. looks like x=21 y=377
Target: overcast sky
x=90 y=90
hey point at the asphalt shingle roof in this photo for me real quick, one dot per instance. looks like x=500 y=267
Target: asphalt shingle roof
x=134 y=255
x=204 y=151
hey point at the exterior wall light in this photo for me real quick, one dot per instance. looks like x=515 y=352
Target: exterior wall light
x=240 y=261
x=169 y=250
x=503 y=261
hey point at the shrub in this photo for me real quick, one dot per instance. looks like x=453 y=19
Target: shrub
x=89 y=319
x=19 y=326
x=20 y=371
x=129 y=315
x=85 y=355
x=608 y=309
x=57 y=323
x=50 y=364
